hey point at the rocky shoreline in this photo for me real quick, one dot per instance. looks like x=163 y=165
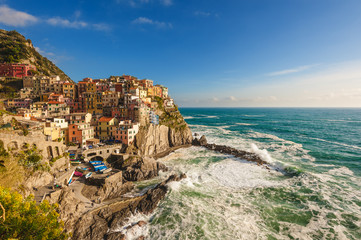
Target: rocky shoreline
x=99 y=223
x=248 y=156
x=99 y=208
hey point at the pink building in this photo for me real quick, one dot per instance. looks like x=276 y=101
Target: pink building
x=16 y=70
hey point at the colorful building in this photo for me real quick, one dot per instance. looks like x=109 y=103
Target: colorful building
x=69 y=90
x=80 y=133
x=106 y=128
x=126 y=131
x=16 y=70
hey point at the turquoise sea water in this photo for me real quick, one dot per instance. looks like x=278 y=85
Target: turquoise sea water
x=227 y=198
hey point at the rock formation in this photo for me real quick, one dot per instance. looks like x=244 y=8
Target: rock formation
x=252 y=157
x=99 y=223
x=100 y=189
x=70 y=207
x=154 y=140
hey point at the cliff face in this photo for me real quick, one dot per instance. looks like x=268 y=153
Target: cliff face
x=157 y=139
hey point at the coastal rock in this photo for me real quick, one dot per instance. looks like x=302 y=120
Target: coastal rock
x=152 y=140
x=37 y=180
x=159 y=140
x=106 y=188
x=141 y=168
x=200 y=142
x=115 y=236
x=252 y=157
x=180 y=136
x=97 y=223
x=70 y=208
x=203 y=140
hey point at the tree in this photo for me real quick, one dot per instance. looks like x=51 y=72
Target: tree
x=24 y=219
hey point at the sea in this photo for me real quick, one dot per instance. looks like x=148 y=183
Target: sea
x=224 y=197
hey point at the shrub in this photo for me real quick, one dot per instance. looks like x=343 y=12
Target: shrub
x=24 y=219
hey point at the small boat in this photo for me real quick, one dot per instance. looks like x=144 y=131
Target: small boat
x=88 y=175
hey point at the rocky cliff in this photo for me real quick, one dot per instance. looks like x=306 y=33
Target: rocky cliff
x=105 y=221
x=158 y=140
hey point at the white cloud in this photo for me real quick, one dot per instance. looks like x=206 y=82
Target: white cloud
x=232 y=98
x=203 y=14
x=292 y=70
x=101 y=26
x=58 y=21
x=147 y=21
x=15 y=18
x=12 y=17
x=44 y=52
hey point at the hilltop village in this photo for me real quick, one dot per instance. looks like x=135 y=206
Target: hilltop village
x=88 y=112
x=84 y=145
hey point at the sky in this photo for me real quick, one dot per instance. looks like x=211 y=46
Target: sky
x=209 y=53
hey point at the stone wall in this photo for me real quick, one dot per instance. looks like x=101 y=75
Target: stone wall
x=103 y=152
x=48 y=149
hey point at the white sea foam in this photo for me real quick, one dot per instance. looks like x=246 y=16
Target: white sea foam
x=264 y=155
x=246 y=115
x=224 y=129
x=240 y=174
x=341 y=171
x=337 y=143
x=246 y=124
x=131 y=230
x=340 y=120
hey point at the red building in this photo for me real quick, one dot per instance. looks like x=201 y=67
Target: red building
x=102 y=87
x=75 y=134
x=119 y=87
x=16 y=70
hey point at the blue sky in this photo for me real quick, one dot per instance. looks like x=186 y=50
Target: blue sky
x=236 y=53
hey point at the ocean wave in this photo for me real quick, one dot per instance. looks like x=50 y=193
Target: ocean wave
x=337 y=143
x=246 y=115
x=240 y=174
x=263 y=154
x=131 y=230
x=341 y=171
x=246 y=124
x=224 y=129
x=340 y=120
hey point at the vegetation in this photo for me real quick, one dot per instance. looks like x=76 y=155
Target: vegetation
x=10 y=170
x=14 y=48
x=24 y=219
x=169 y=117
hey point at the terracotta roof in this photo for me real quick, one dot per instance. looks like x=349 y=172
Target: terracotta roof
x=55 y=102
x=105 y=119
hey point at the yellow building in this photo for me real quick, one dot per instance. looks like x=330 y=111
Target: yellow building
x=52 y=131
x=106 y=128
x=151 y=92
x=69 y=90
x=91 y=87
